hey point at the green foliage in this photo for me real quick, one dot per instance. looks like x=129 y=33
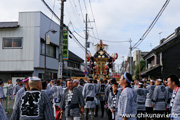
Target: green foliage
x=142 y=65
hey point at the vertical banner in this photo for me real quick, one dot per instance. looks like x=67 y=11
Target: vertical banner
x=48 y=39
x=60 y=70
x=65 y=53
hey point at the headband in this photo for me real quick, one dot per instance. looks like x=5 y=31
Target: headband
x=25 y=80
x=126 y=78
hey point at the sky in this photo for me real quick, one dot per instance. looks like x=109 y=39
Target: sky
x=115 y=20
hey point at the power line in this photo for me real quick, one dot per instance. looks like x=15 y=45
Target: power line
x=93 y=35
x=77 y=41
x=92 y=21
x=83 y=17
x=91 y=8
x=75 y=11
x=152 y=24
x=148 y=30
x=108 y=40
x=93 y=31
x=51 y=10
x=85 y=6
x=52 y=15
x=81 y=10
x=75 y=30
x=70 y=22
x=93 y=18
x=79 y=35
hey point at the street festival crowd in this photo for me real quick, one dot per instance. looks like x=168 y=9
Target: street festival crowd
x=125 y=99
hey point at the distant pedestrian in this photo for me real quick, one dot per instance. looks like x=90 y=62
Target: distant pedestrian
x=63 y=83
x=108 y=89
x=159 y=99
x=2 y=113
x=81 y=85
x=49 y=92
x=89 y=93
x=148 y=104
x=132 y=84
x=141 y=99
x=76 y=82
x=49 y=85
x=22 y=90
x=113 y=100
x=97 y=102
x=101 y=94
x=10 y=90
x=72 y=102
x=144 y=80
x=57 y=100
x=17 y=87
x=1 y=92
x=136 y=83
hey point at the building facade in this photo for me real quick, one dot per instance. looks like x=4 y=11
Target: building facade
x=138 y=56
x=164 y=59
x=22 y=48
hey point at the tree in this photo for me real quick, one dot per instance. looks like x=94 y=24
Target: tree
x=142 y=63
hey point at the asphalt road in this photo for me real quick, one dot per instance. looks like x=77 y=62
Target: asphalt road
x=99 y=115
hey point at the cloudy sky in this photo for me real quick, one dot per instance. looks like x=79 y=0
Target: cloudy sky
x=115 y=20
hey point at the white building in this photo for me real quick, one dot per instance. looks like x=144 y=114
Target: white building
x=138 y=54
x=22 y=47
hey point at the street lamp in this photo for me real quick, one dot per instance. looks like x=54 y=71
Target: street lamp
x=53 y=31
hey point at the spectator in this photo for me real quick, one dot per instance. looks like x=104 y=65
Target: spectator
x=173 y=83
x=1 y=92
x=34 y=104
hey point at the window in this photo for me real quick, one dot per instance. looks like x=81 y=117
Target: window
x=12 y=42
x=77 y=65
x=54 y=75
x=65 y=63
x=50 y=50
x=41 y=75
x=70 y=64
x=42 y=48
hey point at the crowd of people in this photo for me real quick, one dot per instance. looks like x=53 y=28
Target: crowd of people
x=123 y=99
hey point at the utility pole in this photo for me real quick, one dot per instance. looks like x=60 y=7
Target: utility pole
x=130 y=62
x=123 y=64
x=139 y=65
x=151 y=45
x=86 y=38
x=118 y=67
x=160 y=35
x=60 y=67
